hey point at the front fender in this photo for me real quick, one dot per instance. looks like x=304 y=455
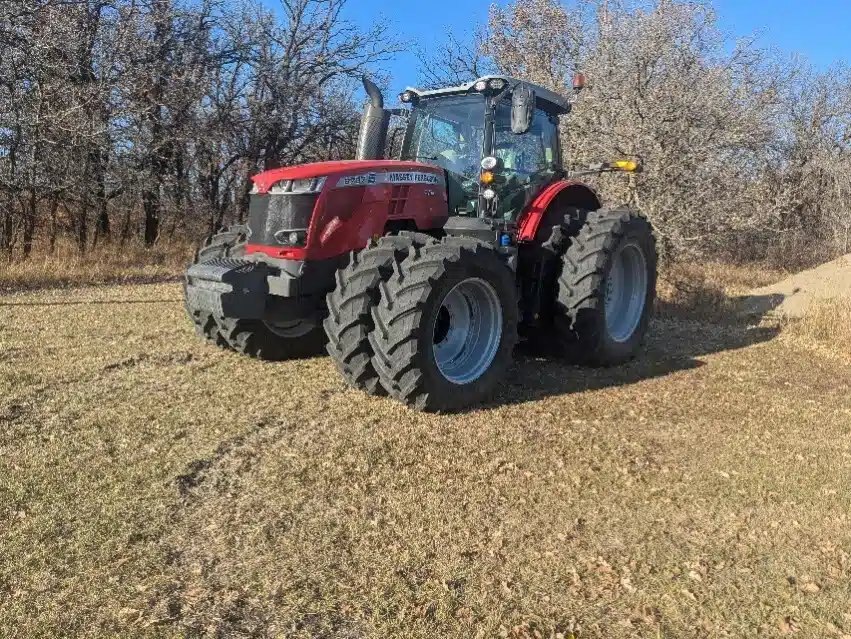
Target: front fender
x=568 y=193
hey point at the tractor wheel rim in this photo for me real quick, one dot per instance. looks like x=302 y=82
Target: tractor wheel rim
x=291 y=329
x=467 y=331
x=626 y=292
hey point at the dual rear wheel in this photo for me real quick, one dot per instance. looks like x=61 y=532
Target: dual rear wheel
x=433 y=324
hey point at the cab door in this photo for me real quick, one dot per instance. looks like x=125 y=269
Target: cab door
x=529 y=161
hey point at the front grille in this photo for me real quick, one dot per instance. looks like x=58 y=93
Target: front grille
x=268 y=214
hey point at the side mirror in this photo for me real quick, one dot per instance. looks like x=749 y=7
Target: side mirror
x=522 y=109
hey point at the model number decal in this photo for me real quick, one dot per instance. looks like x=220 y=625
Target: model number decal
x=364 y=179
x=392 y=177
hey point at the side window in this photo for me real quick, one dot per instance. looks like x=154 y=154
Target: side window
x=533 y=152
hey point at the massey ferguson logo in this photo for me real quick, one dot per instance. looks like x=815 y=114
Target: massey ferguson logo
x=392 y=177
x=412 y=178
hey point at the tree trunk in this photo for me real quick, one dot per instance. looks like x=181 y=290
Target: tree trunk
x=102 y=227
x=151 y=206
x=54 y=230
x=102 y=220
x=29 y=225
x=6 y=231
x=83 y=225
x=244 y=199
x=126 y=229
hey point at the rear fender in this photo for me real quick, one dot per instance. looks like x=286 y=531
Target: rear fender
x=564 y=193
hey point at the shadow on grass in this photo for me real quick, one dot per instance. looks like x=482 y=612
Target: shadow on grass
x=682 y=332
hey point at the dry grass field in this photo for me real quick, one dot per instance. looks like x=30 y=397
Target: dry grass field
x=111 y=263
x=155 y=486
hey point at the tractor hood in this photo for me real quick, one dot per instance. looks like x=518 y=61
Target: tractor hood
x=340 y=168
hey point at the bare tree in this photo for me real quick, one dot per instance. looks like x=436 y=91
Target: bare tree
x=741 y=150
x=158 y=111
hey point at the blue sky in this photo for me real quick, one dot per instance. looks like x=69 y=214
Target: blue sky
x=817 y=29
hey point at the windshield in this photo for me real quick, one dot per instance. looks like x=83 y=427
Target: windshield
x=449 y=132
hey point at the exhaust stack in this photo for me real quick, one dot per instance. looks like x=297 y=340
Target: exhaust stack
x=373 y=124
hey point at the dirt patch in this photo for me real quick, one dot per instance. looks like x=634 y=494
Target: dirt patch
x=795 y=295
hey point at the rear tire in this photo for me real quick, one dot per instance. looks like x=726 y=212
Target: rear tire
x=606 y=288
x=350 y=304
x=445 y=326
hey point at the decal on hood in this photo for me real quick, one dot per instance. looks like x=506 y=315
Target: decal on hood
x=390 y=177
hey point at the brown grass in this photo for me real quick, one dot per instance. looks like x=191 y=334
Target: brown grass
x=826 y=327
x=106 y=263
x=153 y=485
x=709 y=291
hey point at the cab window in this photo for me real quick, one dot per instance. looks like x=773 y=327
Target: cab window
x=529 y=160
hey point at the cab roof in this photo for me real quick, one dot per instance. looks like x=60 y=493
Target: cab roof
x=549 y=101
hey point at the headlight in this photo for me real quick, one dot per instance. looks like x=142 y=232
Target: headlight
x=498 y=84
x=291 y=238
x=481 y=85
x=489 y=163
x=406 y=96
x=306 y=185
x=489 y=194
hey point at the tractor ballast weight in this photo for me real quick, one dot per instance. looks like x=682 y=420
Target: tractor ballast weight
x=419 y=274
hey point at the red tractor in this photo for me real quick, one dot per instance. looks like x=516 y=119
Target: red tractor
x=419 y=274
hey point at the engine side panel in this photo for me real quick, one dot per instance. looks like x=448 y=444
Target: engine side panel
x=357 y=205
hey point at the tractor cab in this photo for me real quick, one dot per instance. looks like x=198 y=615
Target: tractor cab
x=496 y=138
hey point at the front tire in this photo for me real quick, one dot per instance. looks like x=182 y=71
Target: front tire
x=228 y=242
x=350 y=304
x=445 y=326
x=272 y=342
x=607 y=288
